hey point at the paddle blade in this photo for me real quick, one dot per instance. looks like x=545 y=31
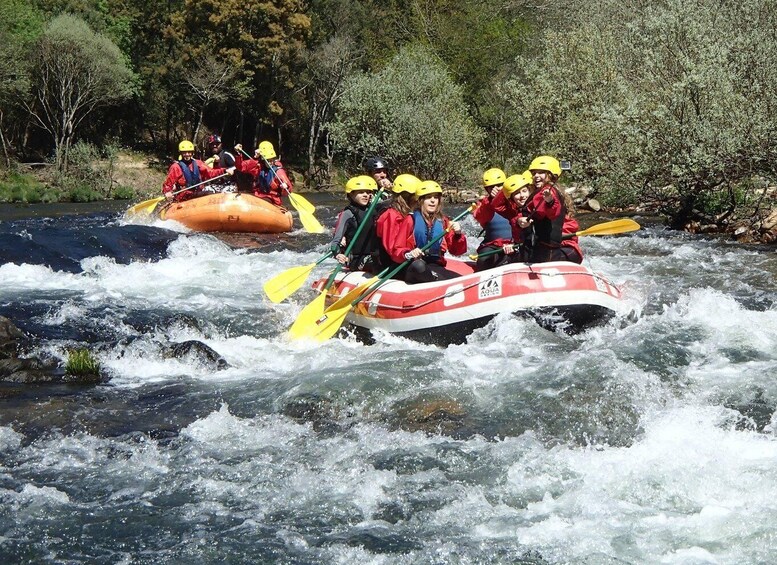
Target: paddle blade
x=283 y=285
x=322 y=324
x=354 y=294
x=306 y=320
x=309 y=222
x=301 y=203
x=323 y=328
x=145 y=208
x=611 y=228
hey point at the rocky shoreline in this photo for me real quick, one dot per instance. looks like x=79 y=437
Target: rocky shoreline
x=759 y=228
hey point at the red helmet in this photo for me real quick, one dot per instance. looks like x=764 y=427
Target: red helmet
x=214 y=139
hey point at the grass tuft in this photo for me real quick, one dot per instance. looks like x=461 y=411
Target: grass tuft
x=81 y=363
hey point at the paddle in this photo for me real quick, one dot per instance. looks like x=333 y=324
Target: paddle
x=303 y=206
x=148 y=206
x=324 y=327
x=283 y=285
x=612 y=227
x=315 y=308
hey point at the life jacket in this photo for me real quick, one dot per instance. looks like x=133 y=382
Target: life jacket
x=544 y=232
x=497 y=228
x=367 y=244
x=226 y=159
x=192 y=176
x=265 y=178
x=424 y=233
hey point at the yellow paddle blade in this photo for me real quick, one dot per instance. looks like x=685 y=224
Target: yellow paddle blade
x=320 y=325
x=283 y=285
x=307 y=318
x=354 y=293
x=611 y=228
x=301 y=203
x=324 y=327
x=309 y=222
x=144 y=208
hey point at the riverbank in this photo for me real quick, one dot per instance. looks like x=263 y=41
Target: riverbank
x=130 y=177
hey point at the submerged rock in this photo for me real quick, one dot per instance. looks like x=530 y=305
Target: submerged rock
x=15 y=368
x=10 y=336
x=184 y=322
x=30 y=371
x=199 y=353
x=321 y=412
x=438 y=415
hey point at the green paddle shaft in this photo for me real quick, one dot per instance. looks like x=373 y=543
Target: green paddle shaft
x=383 y=276
x=370 y=209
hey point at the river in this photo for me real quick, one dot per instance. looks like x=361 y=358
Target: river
x=650 y=439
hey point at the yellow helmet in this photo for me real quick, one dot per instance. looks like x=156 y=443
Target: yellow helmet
x=516 y=182
x=266 y=150
x=362 y=182
x=428 y=187
x=406 y=183
x=185 y=145
x=493 y=177
x=546 y=163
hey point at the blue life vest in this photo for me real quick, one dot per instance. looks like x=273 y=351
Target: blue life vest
x=192 y=176
x=497 y=228
x=425 y=233
x=265 y=178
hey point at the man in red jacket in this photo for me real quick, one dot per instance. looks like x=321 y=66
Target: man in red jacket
x=187 y=172
x=270 y=178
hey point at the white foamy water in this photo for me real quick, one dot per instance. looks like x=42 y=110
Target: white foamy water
x=650 y=439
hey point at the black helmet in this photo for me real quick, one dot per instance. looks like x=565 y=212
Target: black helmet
x=213 y=139
x=372 y=164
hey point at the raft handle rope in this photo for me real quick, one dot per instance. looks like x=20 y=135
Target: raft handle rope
x=367 y=303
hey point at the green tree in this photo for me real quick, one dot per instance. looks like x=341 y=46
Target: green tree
x=20 y=25
x=262 y=39
x=412 y=113
x=652 y=102
x=74 y=73
x=322 y=84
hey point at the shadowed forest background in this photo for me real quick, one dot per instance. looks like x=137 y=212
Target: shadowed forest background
x=667 y=105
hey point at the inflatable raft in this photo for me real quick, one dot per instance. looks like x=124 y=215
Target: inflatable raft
x=557 y=294
x=229 y=212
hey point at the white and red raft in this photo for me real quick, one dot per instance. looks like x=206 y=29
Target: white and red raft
x=557 y=294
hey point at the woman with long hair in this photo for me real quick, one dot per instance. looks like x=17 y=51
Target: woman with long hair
x=429 y=223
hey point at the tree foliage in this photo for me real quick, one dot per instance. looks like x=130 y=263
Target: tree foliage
x=412 y=113
x=261 y=39
x=653 y=101
x=326 y=69
x=667 y=102
x=20 y=25
x=74 y=72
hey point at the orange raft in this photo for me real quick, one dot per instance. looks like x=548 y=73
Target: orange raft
x=229 y=212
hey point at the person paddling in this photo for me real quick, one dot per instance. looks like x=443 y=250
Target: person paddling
x=269 y=177
x=542 y=219
x=219 y=157
x=394 y=226
x=188 y=171
x=497 y=230
x=360 y=190
x=429 y=223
